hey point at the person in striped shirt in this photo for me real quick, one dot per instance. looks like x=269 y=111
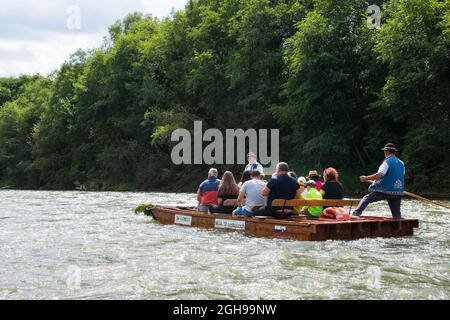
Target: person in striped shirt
x=207 y=193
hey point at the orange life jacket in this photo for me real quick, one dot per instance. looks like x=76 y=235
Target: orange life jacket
x=335 y=213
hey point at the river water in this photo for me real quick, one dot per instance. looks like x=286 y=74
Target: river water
x=88 y=245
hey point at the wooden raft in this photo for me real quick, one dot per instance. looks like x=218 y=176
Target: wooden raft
x=297 y=228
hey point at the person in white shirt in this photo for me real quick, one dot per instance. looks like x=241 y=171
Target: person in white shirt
x=387 y=184
x=252 y=192
x=253 y=164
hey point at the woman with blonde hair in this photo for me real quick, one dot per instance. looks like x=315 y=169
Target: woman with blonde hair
x=228 y=189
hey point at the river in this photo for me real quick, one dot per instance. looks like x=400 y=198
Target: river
x=90 y=245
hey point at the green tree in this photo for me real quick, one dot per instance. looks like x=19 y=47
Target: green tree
x=337 y=90
x=414 y=44
x=52 y=137
x=17 y=120
x=329 y=86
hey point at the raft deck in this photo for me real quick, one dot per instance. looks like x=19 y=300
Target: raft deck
x=297 y=228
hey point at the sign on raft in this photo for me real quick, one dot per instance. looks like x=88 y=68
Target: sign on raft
x=183 y=220
x=230 y=224
x=280 y=231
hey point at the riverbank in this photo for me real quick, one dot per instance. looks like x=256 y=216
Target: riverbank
x=186 y=179
x=117 y=189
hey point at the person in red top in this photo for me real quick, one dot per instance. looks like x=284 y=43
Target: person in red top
x=314 y=175
x=207 y=193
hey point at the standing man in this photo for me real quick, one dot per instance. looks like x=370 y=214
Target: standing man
x=387 y=184
x=253 y=165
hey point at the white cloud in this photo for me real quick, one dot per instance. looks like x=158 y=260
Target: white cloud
x=27 y=56
x=34 y=37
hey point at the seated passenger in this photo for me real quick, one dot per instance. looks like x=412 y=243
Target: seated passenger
x=313 y=211
x=293 y=175
x=208 y=190
x=252 y=192
x=282 y=186
x=313 y=175
x=244 y=178
x=302 y=180
x=228 y=189
x=332 y=188
x=300 y=195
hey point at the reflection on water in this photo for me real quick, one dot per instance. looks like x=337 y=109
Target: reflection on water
x=79 y=245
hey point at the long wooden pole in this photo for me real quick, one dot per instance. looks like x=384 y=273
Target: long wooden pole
x=410 y=194
x=425 y=199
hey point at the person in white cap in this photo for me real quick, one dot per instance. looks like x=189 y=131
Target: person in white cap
x=302 y=182
x=253 y=164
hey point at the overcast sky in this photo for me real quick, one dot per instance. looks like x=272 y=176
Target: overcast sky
x=36 y=36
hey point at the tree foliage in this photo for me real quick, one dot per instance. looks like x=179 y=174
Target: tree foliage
x=336 y=89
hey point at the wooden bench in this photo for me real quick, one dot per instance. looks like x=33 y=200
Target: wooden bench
x=231 y=203
x=303 y=203
x=313 y=203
